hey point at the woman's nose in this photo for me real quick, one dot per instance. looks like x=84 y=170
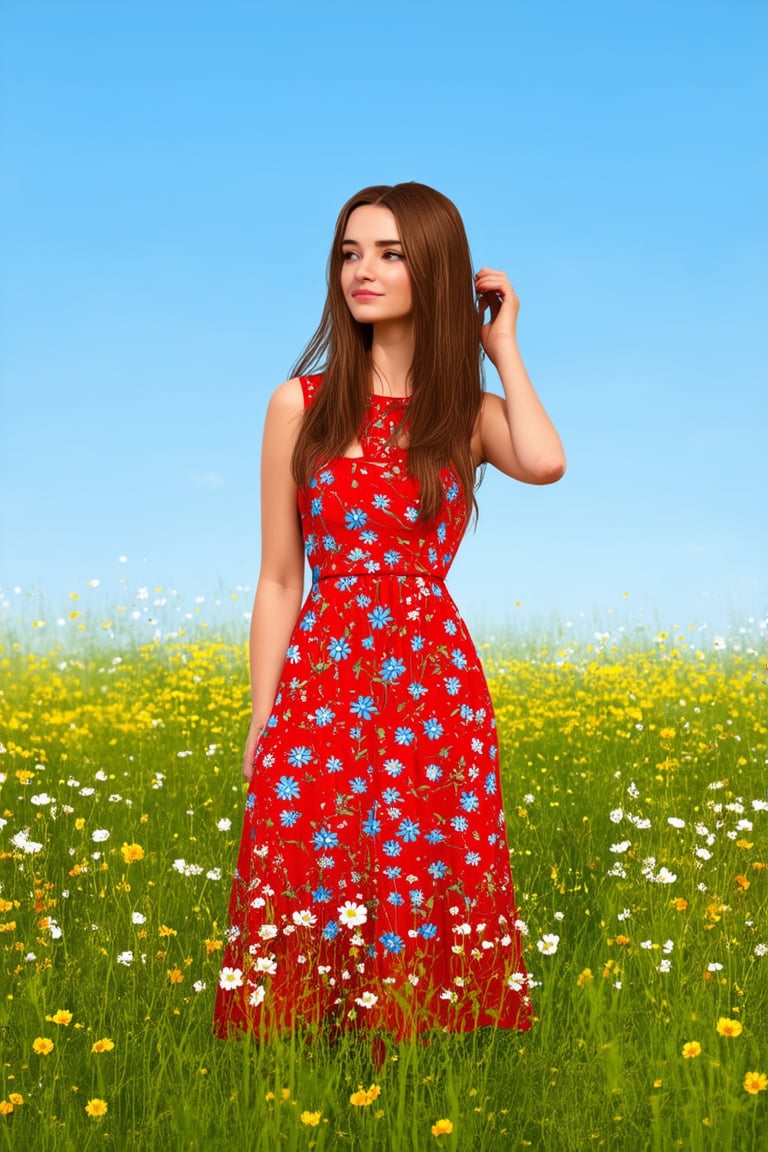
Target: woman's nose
x=363 y=268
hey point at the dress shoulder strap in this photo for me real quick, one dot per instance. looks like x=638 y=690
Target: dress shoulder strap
x=309 y=386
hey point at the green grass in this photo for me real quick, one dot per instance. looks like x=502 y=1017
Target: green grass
x=656 y=728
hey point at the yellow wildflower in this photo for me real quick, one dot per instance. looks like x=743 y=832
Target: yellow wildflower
x=15 y=1097
x=5 y=1107
x=691 y=1049
x=364 y=1096
x=755 y=1082
x=62 y=1016
x=584 y=978
x=726 y=1027
x=80 y=823
x=175 y=975
x=42 y=1045
x=164 y=930
x=311 y=1118
x=105 y=1045
x=96 y=1107
x=442 y=1128
x=132 y=852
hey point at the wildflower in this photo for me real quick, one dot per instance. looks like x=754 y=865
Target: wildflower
x=367 y=1000
x=548 y=944
x=175 y=975
x=63 y=1016
x=42 y=1046
x=105 y=1045
x=364 y=1096
x=691 y=1049
x=726 y=1027
x=755 y=1082
x=15 y=1098
x=742 y=882
x=125 y=958
x=132 y=853
x=5 y=1107
x=100 y=834
x=585 y=977
x=622 y=939
x=311 y=1118
x=442 y=1128
x=96 y=1107
x=230 y=978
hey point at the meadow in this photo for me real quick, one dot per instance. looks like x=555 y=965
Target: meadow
x=634 y=774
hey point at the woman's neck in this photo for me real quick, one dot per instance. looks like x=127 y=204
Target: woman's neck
x=391 y=358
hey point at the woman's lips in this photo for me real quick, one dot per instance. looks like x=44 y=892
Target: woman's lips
x=366 y=295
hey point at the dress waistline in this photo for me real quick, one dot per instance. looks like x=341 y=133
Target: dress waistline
x=378 y=575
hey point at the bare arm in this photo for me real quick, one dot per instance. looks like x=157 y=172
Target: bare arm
x=280 y=587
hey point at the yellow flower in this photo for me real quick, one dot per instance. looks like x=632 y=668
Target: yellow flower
x=104 y=1045
x=80 y=823
x=622 y=939
x=755 y=1082
x=285 y=1093
x=96 y=1107
x=692 y=1048
x=213 y=946
x=15 y=1097
x=5 y=1107
x=63 y=1016
x=364 y=1096
x=742 y=882
x=164 y=930
x=657 y=1083
x=311 y=1118
x=269 y=1096
x=584 y=978
x=42 y=1045
x=175 y=975
x=442 y=1128
x=727 y=1027
x=667 y=733
x=680 y=904
x=132 y=852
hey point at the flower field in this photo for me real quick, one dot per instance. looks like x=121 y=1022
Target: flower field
x=635 y=778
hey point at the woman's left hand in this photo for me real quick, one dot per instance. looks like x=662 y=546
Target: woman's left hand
x=495 y=292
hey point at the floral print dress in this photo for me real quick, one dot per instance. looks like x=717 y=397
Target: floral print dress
x=373 y=883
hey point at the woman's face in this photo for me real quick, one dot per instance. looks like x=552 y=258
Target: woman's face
x=374 y=276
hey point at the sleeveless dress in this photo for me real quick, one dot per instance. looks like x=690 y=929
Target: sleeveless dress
x=373 y=884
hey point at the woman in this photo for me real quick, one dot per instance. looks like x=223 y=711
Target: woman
x=373 y=884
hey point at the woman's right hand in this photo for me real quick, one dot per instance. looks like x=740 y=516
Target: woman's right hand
x=255 y=732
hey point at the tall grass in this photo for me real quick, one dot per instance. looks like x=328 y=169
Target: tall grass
x=121 y=756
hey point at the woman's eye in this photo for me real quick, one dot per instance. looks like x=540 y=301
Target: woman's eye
x=397 y=254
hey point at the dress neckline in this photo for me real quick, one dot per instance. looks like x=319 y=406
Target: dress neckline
x=389 y=399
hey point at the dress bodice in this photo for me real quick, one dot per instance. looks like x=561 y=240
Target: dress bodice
x=358 y=513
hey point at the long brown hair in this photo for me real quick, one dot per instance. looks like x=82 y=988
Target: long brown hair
x=446 y=375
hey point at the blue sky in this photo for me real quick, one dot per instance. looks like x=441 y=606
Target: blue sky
x=171 y=178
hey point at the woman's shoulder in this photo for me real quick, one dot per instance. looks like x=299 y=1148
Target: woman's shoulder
x=296 y=394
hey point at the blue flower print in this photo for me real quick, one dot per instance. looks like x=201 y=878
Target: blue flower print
x=417 y=690
x=438 y=869
x=395 y=898
x=433 y=728
x=323 y=838
x=391 y=669
x=458 y=658
x=326 y=477
x=324 y=716
x=287 y=788
x=380 y=502
x=299 y=756
x=469 y=802
x=288 y=817
x=392 y=942
x=472 y=858
x=452 y=685
x=392 y=848
x=404 y=735
x=333 y=764
x=392 y=795
x=308 y=622
x=460 y=823
x=339 y=649
x=367 y=642
x=317 y=505
x=355 y=518
x=363 y=707
x=417 y=897
x=433 y=772
x=392 y=872
x=392 y=558
x=369 y=536
x=322 y=895
x=331 y=930
x=380 y=617
x=434 y=837
x=358 y=785
x=293 y=654
x=408 y=830
x=427 y=931
x=449 y=627
x=372 y=826
x=490 y=784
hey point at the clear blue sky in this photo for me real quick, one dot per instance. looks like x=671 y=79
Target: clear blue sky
x=171 y=175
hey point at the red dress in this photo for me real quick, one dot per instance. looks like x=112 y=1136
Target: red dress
x=373 y=882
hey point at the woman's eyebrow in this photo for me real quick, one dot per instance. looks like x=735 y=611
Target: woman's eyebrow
x=379 y=243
